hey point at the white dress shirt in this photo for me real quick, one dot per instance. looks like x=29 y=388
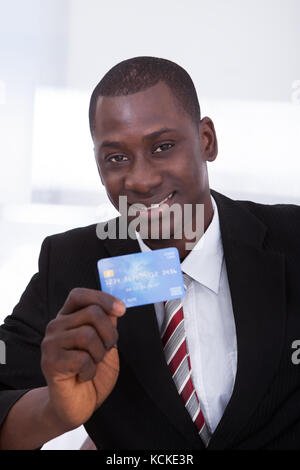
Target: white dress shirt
x=209 y=322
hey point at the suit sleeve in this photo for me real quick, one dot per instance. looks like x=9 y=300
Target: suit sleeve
x=21 y=335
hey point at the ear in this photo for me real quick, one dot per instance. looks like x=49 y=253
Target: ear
x=208 y=139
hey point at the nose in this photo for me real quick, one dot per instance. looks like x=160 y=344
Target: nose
x=142 y=177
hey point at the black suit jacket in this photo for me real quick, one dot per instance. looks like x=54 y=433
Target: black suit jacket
x=144 y=411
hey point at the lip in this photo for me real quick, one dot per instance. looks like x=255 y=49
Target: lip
x=153 y=205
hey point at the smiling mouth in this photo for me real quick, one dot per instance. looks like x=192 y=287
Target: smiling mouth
x=144 y=208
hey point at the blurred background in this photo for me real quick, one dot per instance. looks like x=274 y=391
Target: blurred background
x=243 y=56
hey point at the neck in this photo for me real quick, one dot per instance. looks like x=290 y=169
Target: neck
x=181 y=244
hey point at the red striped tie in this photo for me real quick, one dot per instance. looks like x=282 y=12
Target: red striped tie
x=178 y=360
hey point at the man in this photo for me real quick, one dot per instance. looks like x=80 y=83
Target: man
x=74 y=356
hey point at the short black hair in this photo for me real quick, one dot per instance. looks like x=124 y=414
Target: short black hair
x=139 y=73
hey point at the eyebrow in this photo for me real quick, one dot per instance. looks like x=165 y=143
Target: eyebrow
x=108 y=143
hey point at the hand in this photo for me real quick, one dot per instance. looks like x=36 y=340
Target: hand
x=80 y=358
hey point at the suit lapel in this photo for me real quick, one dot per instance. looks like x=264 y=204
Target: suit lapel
x=140 y=346
x=256 y=281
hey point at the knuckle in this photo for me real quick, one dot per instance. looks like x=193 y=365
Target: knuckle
x=94 y=311
x=45 y=361
x=87 y=375
x=87 y=334
x=84 y=361
x=44 y=365
x=100 y=354
x=50 y=327
x=76 y=293
x=45 y=344
x=113 y=338
x=48 y=360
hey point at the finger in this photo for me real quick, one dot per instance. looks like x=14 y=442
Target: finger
x=87 y=370
x=80 y=297
x=84 y=338
x=65 y=364
x=92 y=315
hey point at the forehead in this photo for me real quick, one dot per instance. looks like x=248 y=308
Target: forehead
x=141 y=112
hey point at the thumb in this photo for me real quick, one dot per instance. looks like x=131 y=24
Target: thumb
x=121 y=309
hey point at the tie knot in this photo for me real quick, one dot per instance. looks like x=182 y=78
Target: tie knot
x=187 y=280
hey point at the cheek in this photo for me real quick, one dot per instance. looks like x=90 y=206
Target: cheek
x=112 y=186
x=193 y=174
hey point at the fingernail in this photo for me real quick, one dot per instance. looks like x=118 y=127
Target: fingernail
x=119 y=307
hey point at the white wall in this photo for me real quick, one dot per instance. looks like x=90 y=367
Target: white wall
x=234 y=49
x=243 y=57
x=33 y=47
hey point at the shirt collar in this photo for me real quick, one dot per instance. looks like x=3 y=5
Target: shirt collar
x=204 y=262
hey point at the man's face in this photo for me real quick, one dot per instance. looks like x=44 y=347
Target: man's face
x=151 y=151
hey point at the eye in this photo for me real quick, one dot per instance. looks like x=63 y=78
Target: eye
x=118 y=158
x=163 y=148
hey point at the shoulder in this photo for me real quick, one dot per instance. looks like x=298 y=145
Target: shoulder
x=81 y=240
x=78 y=234
x=281 y=220
x=268 y=214
x=271 y=211
x=279 y=216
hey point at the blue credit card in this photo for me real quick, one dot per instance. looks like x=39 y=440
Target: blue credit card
x=143 y=278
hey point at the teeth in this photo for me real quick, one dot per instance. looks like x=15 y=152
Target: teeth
x=155 y=206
